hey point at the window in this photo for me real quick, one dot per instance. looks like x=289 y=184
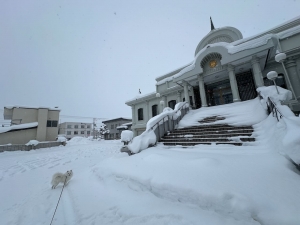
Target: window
x=172 y=104
x=82 y=126
x=51 y=123
x=69 y=126
x=81 y=132
x=140 y=114
x=75 y=132
x=76 y=126
x=117 y=135
x=88 y=132
x=154 y=110
x=112 y=126
x=88 y=126
x=68 y=132
x=111 y=136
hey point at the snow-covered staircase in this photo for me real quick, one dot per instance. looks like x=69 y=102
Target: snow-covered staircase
x=209 y=134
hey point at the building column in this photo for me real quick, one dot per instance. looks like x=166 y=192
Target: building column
x=186 y=91
x=179 y=96
x=291 y=68
x=233 y=84
x=258 y=77
x=146 y=111
x=193 y=96
x=202 y=91
x=133 y=121
x=165 y=101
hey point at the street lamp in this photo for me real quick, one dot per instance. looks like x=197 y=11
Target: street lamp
x=272 y=75
x=280 y=57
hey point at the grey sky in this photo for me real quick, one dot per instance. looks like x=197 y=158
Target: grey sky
x=89 y=57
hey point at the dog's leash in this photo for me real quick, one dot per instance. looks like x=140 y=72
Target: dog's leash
x=58 y=200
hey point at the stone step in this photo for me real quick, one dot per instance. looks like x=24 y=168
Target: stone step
x=203 y=143
x=171 y=136
x=216 y=126
x=200 y=140
x=241 y=130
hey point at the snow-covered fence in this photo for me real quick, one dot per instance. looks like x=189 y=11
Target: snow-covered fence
x=4 y=148
x=158 y=126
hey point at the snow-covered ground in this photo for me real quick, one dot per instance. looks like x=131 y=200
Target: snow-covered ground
x=213 y=185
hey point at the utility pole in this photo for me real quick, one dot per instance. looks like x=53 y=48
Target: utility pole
x=94 y=128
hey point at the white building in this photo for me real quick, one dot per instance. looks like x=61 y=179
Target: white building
x=73 y=129
x=226 y=68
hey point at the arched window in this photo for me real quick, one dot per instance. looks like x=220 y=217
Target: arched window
x=172 y=104
x=140 y=114
x=154 y=110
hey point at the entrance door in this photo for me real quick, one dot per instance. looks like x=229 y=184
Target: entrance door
x=246 y=85
x=219 y=93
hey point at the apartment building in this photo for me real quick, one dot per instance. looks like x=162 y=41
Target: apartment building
x=113 y=125
x=73 y=129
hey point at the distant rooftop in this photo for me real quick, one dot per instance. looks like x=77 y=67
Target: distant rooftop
x=120 y=118
x=31 y=107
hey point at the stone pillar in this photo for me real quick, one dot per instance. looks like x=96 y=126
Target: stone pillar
x=233 y=84
x=179 y=96
x=291 y=68
x=133 y=115
x=147 y=111
x=258 y=78
x=165 y=101
x=186 y=91
x=202 y=91
x=193 y=96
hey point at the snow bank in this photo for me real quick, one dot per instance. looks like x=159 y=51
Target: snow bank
x=236 y=114
x=148 y=137
x=32 y=142
x=126 y=135
x=18 y=127
x=61 y=139
x=79 y=140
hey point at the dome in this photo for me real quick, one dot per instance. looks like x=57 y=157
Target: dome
x=224 y=34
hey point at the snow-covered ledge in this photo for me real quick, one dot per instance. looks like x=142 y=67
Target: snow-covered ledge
x=148 y=138
x=285 y=131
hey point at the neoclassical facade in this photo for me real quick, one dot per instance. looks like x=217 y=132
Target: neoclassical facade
x=226 y=68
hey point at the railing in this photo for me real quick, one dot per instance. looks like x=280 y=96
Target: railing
x=168 y=123
x=273 y=109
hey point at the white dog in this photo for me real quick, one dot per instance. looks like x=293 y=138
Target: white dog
x=61 y=178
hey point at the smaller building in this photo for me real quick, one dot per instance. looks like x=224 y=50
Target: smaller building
x=73 y=129
x=114 y=126
x=29 y=123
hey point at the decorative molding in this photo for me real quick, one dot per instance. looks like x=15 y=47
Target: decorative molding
x=221 y=38
x=207 y=58
x=214 y=70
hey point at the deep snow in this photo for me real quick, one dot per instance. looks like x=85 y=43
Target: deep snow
x=217 y=184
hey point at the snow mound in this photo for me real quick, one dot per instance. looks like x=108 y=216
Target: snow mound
x=32 y=142
x=79 y=140
x=236 y=114
x=126 y=135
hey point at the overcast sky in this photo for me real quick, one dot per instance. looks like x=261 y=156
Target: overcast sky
x=90 y=57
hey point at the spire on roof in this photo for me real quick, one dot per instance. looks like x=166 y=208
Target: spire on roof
x=212 y=27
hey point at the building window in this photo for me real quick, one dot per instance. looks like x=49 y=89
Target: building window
x=111 y=136
x=68 y=132
x=52 y=123
x=75 y=132
x=88 y=132
x=112 y=126
x=82 y=132
x=82 y=126
x=140 y=114
x=117 y=135
x=172 y=104
x=154 y=110
x=76 y=126
x=69 y=126
x=88 y=126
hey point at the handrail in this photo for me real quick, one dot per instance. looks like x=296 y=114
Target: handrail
x=272 y=108
x=170 y=124
x=168 y=115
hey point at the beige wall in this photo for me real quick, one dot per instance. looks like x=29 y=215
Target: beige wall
x=18 y=137
x=27 y=115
